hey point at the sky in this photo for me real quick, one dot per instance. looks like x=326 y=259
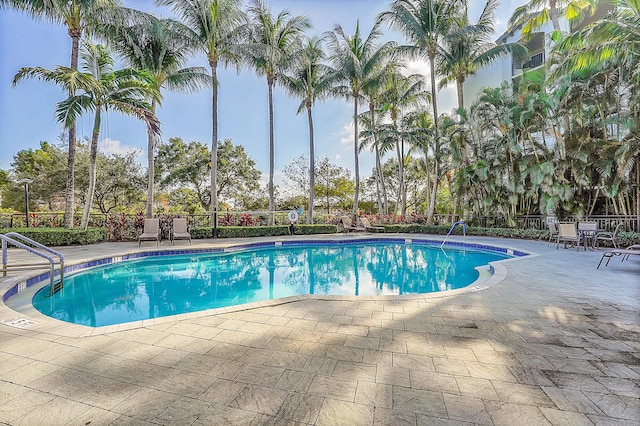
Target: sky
x=27 y=110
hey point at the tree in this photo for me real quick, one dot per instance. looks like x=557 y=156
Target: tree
x=425 y=24
x=119 y=183
x=218 y=26
x=273 y=43
x=333 y=185
x=310 y=81
x=77 y=15
x=161 y=47
x=359 y=62
x=536 y=13
x=100 y=89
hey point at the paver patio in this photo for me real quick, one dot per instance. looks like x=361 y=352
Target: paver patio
x=555 y=342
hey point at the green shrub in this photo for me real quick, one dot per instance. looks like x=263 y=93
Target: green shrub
x=315 y=229
x=61 y=236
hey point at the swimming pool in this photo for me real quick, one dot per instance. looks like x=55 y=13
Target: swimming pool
x=157 y=286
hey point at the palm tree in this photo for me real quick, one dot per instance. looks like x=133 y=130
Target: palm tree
x=359 y=63
x=77 y=15
x=217 y=25
x=161 y=47
x=425 y=24
x=536 y=13
x=270 y=51
x=470 y=48
x=101 y=88
x=310 y=81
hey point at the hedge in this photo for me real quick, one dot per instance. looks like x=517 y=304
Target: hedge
x=315 y=229
x=61 y=236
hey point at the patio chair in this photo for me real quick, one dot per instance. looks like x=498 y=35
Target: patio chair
x=609 y=236
x=368 y=227
x=633 y=250
x=180 y=230
x=150 y=232
x=347 y=225
x=553 y=232
x=568 y=234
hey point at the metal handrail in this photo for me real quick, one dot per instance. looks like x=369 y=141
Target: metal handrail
x=464 y=231
x=6 y=238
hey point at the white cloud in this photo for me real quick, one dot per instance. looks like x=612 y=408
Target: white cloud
x=338 y=157
x=113 y=146
x=346 y=133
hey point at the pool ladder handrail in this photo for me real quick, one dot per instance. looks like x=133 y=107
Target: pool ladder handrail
x=7 y=238
x=464 y=231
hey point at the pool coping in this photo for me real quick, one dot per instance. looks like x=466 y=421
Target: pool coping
x=22 y=288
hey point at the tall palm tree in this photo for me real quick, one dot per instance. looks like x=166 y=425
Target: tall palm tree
x=425 y=24
x=469 y=48
x=100 y=88
x=310 y=81
x=161 y=47
x=78 y=16
x=534 y=14
x=359 y=62
x=274 y=40
x=218 y=26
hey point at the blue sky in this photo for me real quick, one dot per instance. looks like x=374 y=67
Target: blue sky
x=26 y=111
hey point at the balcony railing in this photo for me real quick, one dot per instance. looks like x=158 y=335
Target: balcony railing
x=528 y=63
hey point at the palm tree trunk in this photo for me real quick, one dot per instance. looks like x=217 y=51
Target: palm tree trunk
x=271 y=153
x=214 y=141
x=93 y=154
x=553 y=14
x=312 y=166
x=380 y=182
x=69 y=199
x=355 y=154
x=436 y=135
x=151 y=147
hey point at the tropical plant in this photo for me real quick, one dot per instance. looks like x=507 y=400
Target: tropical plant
x=161 y=47
x=219 y=26
x=274 y=40
x=78 y=16
x=309 y=80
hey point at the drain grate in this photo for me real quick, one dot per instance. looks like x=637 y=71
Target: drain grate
x=19 y=322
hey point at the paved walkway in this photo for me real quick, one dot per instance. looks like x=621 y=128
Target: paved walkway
x=555 y=342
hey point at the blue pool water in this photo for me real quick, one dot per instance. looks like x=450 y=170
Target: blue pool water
x=159 y=286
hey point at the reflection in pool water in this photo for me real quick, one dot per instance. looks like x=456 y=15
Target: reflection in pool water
x=159 y=286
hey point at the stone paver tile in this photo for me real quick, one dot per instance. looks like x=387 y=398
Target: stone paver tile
x=59 y=411
x=619 y=407
x=424 y=420
x=622 y=387
x=24 y=403
x=383 y=416
x=530 y=376
x=301 y=408
x=460 y=353
x=581 y=382
x=427 y=380
x=443 y=365
x=262 y=400
x=571 y=400
x=183 y=411
x=187 y=384
x=490 y=371
x=429 y=349
x=284 y=344
x=221 y=392
x=478 y=388
x=418 y=401
x=230 y=336
x=355 y=370
x=560 y=417
x=608 y=421
x=466 y=409
x=226 y=369
x=381 y=332
x=259 y=375
x=174 y=341
x=219 y=414
x=332 y=387
x=413 y=362
x=166 y=358
x=302 y=324
x=289 y=360
x=362 y=342
x=570 y=365
x=294 y=381
x=342 y=353
x=374 y=394
x=99 y=416
x=503 y=413
x=522 y=394
x=306 y=335
x=146 y=404
x=615 y=369
x=393 y=376
x=395 y=346
x=320 y=365
x=335 y=412
x=534 y=361
x=42 y=375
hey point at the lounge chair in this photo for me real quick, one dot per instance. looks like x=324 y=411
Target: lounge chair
x=180 y=230
x=150 y=232
x=368 y=227
x=609 y=236
x=553 y=232
x=568 y=234
x=347 y=225
x=633 y=250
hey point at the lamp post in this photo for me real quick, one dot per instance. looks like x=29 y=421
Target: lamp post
x=26 y=182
